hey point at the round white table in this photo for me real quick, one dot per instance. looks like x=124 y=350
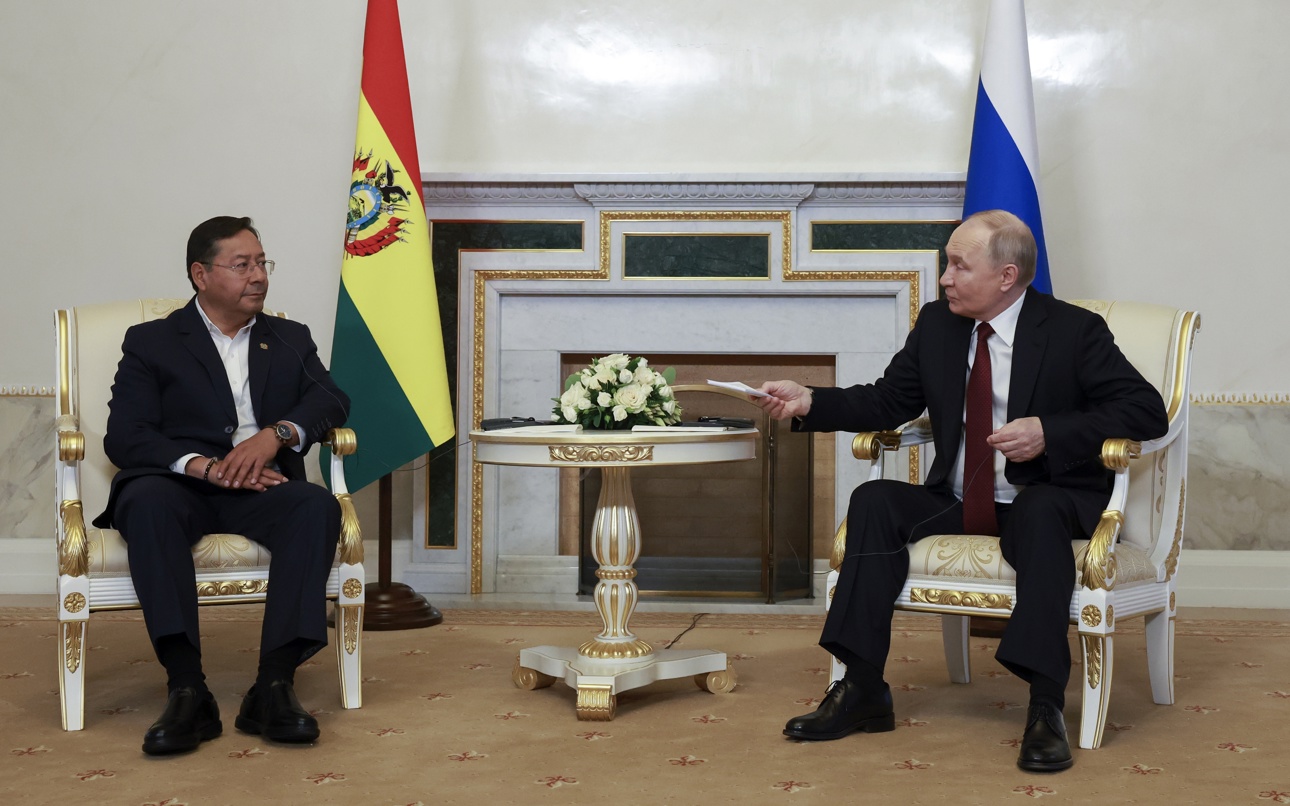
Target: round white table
x=615 y=660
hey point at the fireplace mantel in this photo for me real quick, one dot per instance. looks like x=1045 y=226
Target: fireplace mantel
x=544 y=265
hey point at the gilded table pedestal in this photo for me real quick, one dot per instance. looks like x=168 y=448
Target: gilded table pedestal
x=615 y=660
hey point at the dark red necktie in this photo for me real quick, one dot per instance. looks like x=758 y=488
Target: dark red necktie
x=978 y=456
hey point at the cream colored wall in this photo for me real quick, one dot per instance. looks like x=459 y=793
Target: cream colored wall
x=1161 y=131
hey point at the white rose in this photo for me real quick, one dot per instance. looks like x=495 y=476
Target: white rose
x=604 y=399
x=669 y=406
x=583 y=403
x=624 y=376
x=570 y=414
x=572 y=394
x=620 y=413
x=604 y=375
x=615 y=361
x=633 y=397
x=644 y=375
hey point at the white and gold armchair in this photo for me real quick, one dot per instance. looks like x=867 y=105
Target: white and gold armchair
x=1129 y=566
x=93 y=573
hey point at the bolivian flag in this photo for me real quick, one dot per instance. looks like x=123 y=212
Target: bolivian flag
x=387 y=353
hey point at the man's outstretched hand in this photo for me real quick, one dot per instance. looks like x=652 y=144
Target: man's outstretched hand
x=787 y=399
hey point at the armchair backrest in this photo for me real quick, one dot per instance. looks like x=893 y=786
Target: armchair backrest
x=89 y=349
x=1157 y=340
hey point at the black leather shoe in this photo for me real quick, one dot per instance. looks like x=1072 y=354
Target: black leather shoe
x=845 y=709
x=189 y=719
x=276 y=714
x=1044 y=747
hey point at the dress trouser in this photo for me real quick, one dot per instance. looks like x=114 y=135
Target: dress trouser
x=162 y=516
x=885 y=516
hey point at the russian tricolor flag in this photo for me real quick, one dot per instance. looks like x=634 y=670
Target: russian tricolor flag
x=1003 y=167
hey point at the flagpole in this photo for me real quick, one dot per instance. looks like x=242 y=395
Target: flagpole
x=393 y=605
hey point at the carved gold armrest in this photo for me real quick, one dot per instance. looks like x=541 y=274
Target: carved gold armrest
x=1099 y=562
x=71 y=442
x=867 y=445
x=74 y=550
x=1116 y=453
x=839 y=546
x=344 y=442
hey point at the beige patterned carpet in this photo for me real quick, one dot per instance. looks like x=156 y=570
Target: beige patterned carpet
x=442 y=722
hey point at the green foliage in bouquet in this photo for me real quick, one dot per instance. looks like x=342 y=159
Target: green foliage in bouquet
x=618 y=392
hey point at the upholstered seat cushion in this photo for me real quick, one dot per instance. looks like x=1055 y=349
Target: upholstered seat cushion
x=108 y=552
x=979 y=557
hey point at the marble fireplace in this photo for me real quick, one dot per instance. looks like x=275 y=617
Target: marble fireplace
x=831 y=267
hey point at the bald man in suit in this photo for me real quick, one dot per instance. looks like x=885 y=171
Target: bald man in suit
x=1059 y=387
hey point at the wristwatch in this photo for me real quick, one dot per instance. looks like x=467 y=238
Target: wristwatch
x=283 y=432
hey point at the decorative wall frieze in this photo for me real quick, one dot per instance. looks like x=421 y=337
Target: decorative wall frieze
x=1241 y=399
x=652 y=195
x=528 y=194
x=888 y=193
x=26 y=391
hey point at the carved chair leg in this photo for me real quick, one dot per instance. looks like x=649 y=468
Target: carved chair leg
x=1098 y=663
x=954 y=635
x=71 y=673
x=349 y=654
x=1160 y=656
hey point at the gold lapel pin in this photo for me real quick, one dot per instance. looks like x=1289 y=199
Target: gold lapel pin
x=263 y=346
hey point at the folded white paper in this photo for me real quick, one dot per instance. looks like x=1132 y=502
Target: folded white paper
x=738 y=386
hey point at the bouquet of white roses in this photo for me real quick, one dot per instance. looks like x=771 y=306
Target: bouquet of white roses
x=618 y=391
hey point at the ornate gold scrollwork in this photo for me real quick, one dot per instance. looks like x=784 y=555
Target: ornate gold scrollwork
x=1171 y=562
x=74 y=602
x=1100 y=563
x=343 y=441
x=1093 y=658
x=719 y=682
x=1090 y=615
x=232 y=587
x=596 y=702
x=601 y=453
x=615 y=650
x=73 y=638
x=352 y=587
x=529 y=679
x=74 y=553
x=1110 y=617
x=1116 y=453
x=351 y=617
x=351 y=535
x=839 y=552
x=992 y=601
x=71 y=446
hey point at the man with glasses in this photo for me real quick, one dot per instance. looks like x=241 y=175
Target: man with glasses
x=212 y=411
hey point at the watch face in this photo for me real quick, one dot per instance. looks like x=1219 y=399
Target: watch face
x=283 y=432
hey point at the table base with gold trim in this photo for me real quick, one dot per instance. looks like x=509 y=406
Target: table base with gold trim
x=599 y=682
x=615 y=660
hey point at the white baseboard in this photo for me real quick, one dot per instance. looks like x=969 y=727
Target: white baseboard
x=1251 y=579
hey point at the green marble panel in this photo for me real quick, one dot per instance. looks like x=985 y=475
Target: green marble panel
x=447 y=239
x=883 y=236
x=707 y=256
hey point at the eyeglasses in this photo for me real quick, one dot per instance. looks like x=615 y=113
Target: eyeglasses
x=242 y=268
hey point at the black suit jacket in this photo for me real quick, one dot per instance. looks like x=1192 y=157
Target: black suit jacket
x=171 y=395
x=1066 y=370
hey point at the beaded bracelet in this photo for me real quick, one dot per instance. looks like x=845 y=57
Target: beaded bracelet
x=207 y=472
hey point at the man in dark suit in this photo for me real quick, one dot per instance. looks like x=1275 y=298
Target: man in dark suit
x=1021 y=390
x=212 y=410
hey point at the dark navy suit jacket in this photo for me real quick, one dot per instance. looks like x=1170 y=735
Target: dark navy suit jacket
x=171 y=395
x=1066 y=370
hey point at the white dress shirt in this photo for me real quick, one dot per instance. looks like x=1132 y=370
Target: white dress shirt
x=235 y=354
x=1005 y=332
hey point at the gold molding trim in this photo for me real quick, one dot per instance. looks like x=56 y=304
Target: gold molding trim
x=1100 y=563
x=74 y=602
x=1182 y=352
x=602 y=573
x=785 y=217
x=1090 y=615
x=934 y=596
x=351 y=616
x=351 y=534
x=596 y=702
x=71 y=446
x=64 y=364
x=601 y=453
x=74 y=552
x=232 y=587
x=1171 y=562
x=73 y=638
x=615 y=650
x=1241 y=399
x=1093 y=658
x=529 y=679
